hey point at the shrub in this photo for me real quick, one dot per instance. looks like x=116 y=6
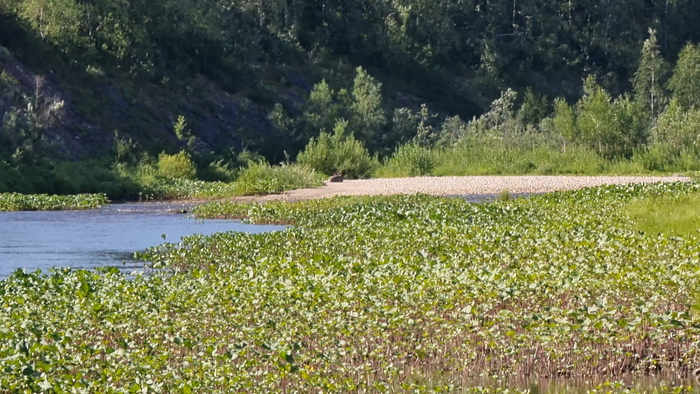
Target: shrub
x=564 y=121
x=216 y=171
x=612 y=128
x=409 y=159
x=262 y=178
x=679 y=128
x=338 y=153
x=176 y=166
x=685 y=82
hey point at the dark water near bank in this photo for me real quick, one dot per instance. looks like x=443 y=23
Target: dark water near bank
x=104 y=237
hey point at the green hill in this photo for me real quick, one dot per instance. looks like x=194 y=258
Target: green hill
x=75 y=74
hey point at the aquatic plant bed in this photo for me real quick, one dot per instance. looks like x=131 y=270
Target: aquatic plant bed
x=45 y=202
x=375 y=294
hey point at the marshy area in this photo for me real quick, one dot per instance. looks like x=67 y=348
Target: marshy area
x=559 y=292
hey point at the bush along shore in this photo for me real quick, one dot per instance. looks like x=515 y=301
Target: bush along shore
x=378 y=294
x=45 y=202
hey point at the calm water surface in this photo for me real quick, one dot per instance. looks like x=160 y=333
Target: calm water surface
x=104 y=237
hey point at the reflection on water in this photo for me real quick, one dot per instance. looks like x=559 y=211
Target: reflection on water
x=104 y=237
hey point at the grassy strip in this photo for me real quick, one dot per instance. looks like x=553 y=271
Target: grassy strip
x=256 y=179
x=677 y=215
x=397 y=293
x=147 y=181
x=45 y=202
x=483 y=157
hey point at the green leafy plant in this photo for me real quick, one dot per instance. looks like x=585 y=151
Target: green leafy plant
x=45 y=202
x=417 y=293
x=179 y=165
x=409 y=160
x=262 y=178
x=340 y=153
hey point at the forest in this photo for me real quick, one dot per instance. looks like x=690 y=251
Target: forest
x=118 y=91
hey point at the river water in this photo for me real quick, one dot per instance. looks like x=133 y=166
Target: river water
x=96 y=238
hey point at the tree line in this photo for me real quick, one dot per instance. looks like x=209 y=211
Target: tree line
x=638 y=61
x=498 y=37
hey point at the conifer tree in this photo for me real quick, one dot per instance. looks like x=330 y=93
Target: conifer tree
x=650 y=76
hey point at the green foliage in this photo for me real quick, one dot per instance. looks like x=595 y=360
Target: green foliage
x=404 y=126
x=596 y=119
x=409 y=160
x=533 y=109
x=685 y=82
x=124 y=149
x=59 y=21
x=679 y=128
x=504 y=196
x=424 y=51
x=45 y=202
x=183 y=188
x=5 y=54
x=564 y=121
x=179 y=165
x=412 y=291
x=216 y=171
x=453 y=130
x=678 y=215
x=21 y=126
x=338 y=153
x=422 y=31
x=367 y=115
x=650 y=76
x=183 y=132
x=612 y=128
x=473 y=156
x=501 y=117
x=532 y=154
x=262 y=178
x=322 y=110
x=204 y=58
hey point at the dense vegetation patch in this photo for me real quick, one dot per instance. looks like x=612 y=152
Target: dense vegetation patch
x=373 y=293
x=672 y=215
x=256 y=179
x=45 y=202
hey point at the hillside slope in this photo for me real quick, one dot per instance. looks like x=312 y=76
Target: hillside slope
x=134 y=67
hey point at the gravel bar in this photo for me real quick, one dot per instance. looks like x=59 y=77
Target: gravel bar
x=460 y=186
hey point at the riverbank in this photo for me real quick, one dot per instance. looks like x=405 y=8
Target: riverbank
x=458 y=186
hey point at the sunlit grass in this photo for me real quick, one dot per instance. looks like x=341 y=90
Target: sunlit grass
x=524 y=157
x=677 y=216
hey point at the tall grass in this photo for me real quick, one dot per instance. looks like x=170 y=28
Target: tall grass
x=482 y=156
x=263 y=178
x=676 y=216
x=409 y=160
x=255 y=179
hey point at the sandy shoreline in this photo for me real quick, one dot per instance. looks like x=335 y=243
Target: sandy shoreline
x=458 y=186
